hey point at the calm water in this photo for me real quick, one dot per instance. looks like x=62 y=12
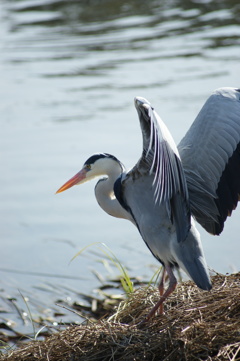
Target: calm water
x=69 y=71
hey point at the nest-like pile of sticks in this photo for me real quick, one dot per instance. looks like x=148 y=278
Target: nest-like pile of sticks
x=196 y=325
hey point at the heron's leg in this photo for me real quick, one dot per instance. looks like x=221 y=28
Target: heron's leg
x=171 y=287
x=161 y=289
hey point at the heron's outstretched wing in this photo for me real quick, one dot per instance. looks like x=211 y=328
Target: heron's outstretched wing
x=210 y=154
x=160 y=164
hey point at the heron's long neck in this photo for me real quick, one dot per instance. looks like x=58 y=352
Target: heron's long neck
x=105 y=194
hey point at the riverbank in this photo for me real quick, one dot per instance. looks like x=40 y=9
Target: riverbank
x=196 y=325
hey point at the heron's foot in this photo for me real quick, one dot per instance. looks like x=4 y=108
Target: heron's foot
x=159 y=305
x=158 y=308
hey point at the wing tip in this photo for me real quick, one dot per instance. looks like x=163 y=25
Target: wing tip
x=228 y=92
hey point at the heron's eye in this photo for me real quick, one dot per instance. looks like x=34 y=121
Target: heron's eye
x=88 y=166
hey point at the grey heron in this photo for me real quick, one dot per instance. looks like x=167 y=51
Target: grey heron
x=170 y=185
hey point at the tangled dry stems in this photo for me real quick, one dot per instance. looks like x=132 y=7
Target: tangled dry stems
x=196 y=325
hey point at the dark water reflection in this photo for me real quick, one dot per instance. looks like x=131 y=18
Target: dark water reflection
x=77 y=26
x=69 y=71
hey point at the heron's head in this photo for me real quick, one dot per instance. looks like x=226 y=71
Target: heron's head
x=97 y=165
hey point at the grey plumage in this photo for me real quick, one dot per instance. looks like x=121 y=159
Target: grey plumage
x=170 y=185
x=210 y=147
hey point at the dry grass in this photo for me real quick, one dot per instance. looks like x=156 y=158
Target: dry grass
x=196 y=325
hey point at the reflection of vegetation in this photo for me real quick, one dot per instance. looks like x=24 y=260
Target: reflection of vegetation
x=95 y=10
x=74 y=13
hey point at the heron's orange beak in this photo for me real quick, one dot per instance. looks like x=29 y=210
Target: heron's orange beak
x=78 y=178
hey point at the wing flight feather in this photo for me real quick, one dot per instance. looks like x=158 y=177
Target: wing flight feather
x=161 y=159
x=210 y=154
